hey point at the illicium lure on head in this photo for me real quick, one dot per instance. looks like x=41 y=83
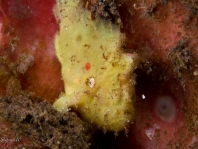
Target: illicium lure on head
x=96 y=74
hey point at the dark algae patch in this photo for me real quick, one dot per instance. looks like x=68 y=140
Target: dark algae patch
x=43 y=125
x=193 y=4
x=105 y=9
x=180 y=57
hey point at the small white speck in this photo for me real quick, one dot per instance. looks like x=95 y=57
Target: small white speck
x=143 y=96
x=69 y=109
x=91 y=82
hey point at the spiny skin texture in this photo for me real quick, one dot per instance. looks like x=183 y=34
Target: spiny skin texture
x=97 y=75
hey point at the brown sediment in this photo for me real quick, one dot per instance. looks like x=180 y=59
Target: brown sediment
x=105 y=9
x=151 y=9
x=45 y=127
x=8 y=73
x=191 y=103
x=180 y=57
x=193 y=5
